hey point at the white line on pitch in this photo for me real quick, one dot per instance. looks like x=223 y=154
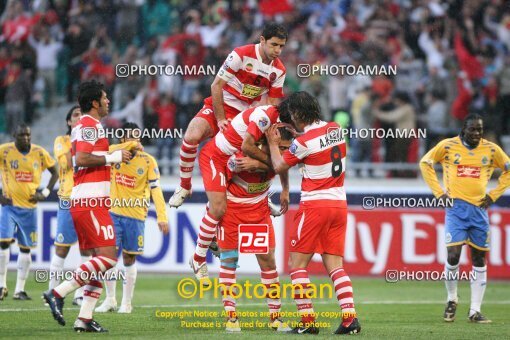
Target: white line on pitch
x=183 y=306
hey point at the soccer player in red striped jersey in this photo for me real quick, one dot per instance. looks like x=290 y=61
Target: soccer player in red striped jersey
x=245 y=130
x=320 y=223
x=249 y=73
x=247 y=203
x=91 y=218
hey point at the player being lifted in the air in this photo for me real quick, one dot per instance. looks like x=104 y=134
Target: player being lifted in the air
x=246 y=129
x=66 y=234
x=321 y=221
x=137 y=181
x=21 y=166
x=468 y=162
x=248 y=73
x=249 y=181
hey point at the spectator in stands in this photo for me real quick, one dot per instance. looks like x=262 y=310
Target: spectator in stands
x=46 y=50
x=19 y=93
x=166 y=111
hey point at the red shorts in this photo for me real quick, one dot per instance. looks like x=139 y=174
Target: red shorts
x=94 y=228
x=227 y=233
x=319 y=230
x=213 y=166
x=207 y=112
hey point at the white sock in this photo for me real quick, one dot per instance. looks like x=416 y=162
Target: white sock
x=56 y=266
x=91 y=294
x=78 y=293
x=451 y=285
x=478 y=289
x=111 y=285
x=24 y=261
x=128 y=286
x=4 y=260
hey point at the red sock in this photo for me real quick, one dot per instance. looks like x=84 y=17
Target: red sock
x=187 y=162
x=301 y=285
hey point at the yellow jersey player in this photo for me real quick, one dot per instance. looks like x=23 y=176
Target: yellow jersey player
x=133 y=182
x=21 y=166
x=468 y=162
x=66 y=234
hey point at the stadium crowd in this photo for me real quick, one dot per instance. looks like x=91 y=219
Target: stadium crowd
x=452 y=57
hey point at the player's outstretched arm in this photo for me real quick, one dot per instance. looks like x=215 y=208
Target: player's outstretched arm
x=249 y=164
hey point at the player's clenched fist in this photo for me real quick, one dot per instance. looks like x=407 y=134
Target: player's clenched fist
x=126 y=156
x=163 y=226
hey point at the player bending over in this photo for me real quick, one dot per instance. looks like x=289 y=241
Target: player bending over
x=22 y=165
x=89 y=209
x=247 y=203
x=248 y=73
x=66 y=234
x=468 y=162
x=135 y=181
x=321 y=221
x=245 y=130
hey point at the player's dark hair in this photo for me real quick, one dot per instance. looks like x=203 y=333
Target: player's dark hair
x=470 y=117
x=303 y=107
x=68 y=117
x=88 y=92
x=20 y=126
x=273 y=29
x=283 y=112
x=129 y=126
x=285 y=134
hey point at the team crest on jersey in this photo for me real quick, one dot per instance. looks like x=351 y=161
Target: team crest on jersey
x=272 y=76
x=36 y=165
x=448 y=238
x=249 y=67
x=60 y=238
x=263 y=122
x=59 y=147
x=485 y=160
x=139 y=171
x=293 y=148
x=231 y=164
x=117 y=166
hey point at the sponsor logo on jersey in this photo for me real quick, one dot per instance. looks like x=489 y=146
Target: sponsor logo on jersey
x=468 y=171
x=125 y=180
x=251 y=91
x=24 y=176
x=254 y=188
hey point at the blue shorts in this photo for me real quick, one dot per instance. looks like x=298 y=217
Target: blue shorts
x=467 y=223
x=129 y=233
x=66 y=234
x=23 y=222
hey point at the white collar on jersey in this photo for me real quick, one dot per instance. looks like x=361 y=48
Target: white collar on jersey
x=312 y=126
x=257 y=53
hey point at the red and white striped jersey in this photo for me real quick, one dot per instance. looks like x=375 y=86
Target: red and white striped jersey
x=94 y=182
x=322 y=151
x=254 y=121
x=247 y=187
x=248 y=78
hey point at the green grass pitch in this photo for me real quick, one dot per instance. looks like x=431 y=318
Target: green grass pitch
x=386 y=310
